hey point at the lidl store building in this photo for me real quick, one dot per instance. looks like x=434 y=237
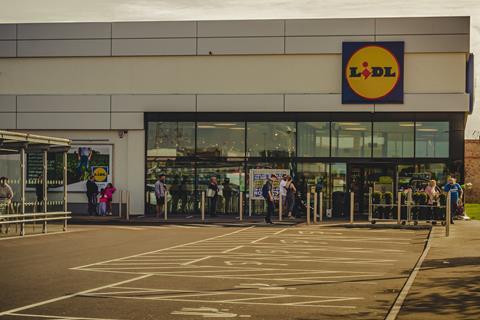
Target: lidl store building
x=342 y=104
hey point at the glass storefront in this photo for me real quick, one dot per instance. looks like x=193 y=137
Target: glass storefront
x=333 y=157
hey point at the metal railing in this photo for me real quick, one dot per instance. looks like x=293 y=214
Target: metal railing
x=20 y=219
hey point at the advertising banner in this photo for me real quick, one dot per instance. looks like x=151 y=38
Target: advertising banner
x=372 y=72
x=86 y=160
x=258 y=177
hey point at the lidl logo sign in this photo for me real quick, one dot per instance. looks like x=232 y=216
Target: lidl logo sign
x=372 y=72
x=100 y=174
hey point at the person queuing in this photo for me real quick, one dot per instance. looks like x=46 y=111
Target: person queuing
x=92 y=192
x=160 y=190
x=290 y=197
x=212 y=195
x=6 y=194
x=267 y=192
x=109 y=191
x=456 y=195
x=433 y=194
x=283 y=193
x=39 y=192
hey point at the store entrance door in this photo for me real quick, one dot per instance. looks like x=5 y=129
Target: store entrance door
x=378 y=176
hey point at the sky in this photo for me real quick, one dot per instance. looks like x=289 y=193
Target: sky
x=23 y=11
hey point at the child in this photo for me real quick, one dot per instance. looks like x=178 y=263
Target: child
x=103 y=203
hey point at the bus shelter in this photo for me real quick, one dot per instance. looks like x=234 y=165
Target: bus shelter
x=33 y=183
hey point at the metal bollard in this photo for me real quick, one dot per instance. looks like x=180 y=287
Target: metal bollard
x=399 y=207
x=320 y=206
x=120 y=205
x=165 y=207
x=128 y=206
x=202 y=204
x=370 y=205
x=280 y=207
x=352 y=204
x=240 y=207
x=308 y=208
x=448 y=213
x=315 y=208
x=409 y=206
x=249 y=205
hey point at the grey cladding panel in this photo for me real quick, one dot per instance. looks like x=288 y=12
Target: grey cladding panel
x=64 y=103
x=7 y=32
x=8 y=48
x=329 y=27
x=154 y=103
x=50 y=31
x=157 y=29
x=423 y=25
x=7 y=103
x=260 y=45
x=241 y=28
x=63 y=121
x=153 y=47
x=59 y=48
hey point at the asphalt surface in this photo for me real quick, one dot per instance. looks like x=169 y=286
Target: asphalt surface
x=197 y=272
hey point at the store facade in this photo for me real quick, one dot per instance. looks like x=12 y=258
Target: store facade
x=342 y=104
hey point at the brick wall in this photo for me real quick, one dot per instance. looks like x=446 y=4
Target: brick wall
x=472 y=169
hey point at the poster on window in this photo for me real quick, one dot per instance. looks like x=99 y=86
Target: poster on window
x=258 y=177
x=86 y=160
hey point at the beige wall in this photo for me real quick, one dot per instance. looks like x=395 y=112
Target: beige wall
x=424 y=73
x=128 y=161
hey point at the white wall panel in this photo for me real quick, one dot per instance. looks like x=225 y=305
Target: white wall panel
x=423 y=25
x=8 y=103
x=432 y=43
x=154 y=29
x=8 y=48
x=428 y=103
x=67 y=121
x=320 y=45
x=63 y=103
x=240 y=103
x=127 y=120
x=64 y=31
x=322 y=103
x=257 y=45
x=146 y=47
x=59 y=48
x=241 y=28
x=329 y=27
x=8 y=32
x=154 y=103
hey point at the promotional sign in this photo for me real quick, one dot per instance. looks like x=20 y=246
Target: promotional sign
x=258 y=177
x=372 y=72
x=86 y=160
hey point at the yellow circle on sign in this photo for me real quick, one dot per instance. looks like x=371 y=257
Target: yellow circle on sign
x=100 y=174
x=372 y=72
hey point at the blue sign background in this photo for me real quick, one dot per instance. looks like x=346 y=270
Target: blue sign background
x=349 y=96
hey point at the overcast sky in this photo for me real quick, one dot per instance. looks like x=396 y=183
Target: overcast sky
x=20 y=11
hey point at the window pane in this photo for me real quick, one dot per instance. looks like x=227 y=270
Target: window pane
x=351 y=139
x=431 y=140
x=393 y=139
x=271 y=139
x=170 y=139
x=313 y=139
x=222 y=139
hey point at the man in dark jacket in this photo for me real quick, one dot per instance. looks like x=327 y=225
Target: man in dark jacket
x=92 y=191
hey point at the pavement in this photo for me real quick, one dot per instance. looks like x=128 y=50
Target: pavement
x=198 y=271
x=448 y=283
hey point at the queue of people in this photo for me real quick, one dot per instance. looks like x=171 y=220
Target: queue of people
x=99 y=202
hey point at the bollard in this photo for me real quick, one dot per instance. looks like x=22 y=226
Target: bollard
x=280 y=207
x=315 y=208
x=308 y=207
x=409 y=204
x=320 y=206
x=448 y=213
x=399 y=207
x=202 y=204
x=240 y=207
x=249 y=205
x=165 y=207
x=370 y=205
x=128 y=205
x=351 y=206
x=120 y=205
